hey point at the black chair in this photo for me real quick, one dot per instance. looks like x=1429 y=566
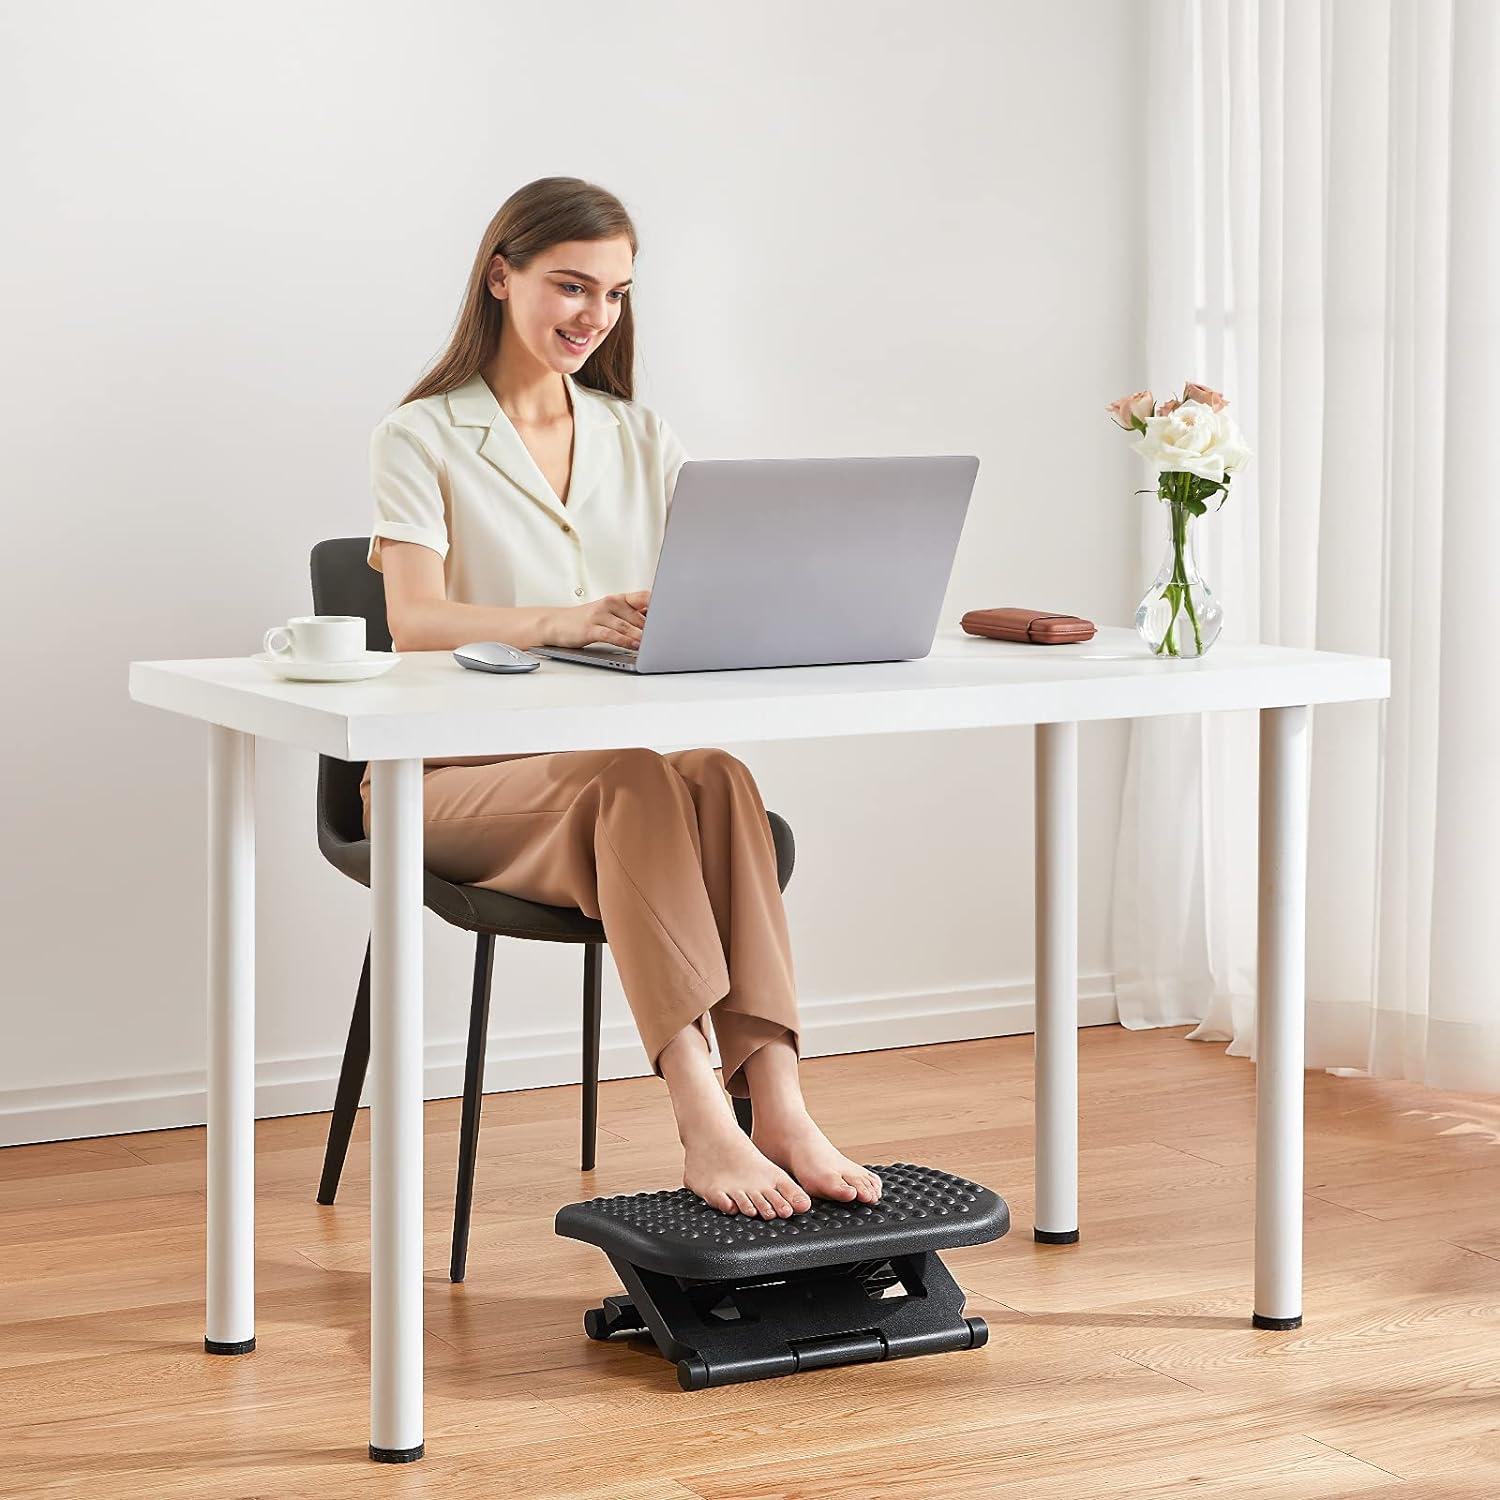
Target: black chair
x=343 y=583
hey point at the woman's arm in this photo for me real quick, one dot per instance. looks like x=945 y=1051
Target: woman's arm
x=423 y=618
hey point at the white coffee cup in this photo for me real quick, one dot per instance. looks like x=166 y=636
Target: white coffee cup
x=329 y=638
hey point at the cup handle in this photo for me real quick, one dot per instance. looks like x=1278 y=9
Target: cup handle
x=278 y=647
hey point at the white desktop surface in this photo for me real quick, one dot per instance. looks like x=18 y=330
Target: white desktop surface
x=428 y=705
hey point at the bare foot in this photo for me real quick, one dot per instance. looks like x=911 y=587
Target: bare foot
x=724 y=1168
x=793 y=1140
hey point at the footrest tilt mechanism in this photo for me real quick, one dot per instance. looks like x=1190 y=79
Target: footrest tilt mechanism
x=729 y=1298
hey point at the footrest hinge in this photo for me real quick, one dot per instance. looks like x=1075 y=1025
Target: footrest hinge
x=838 y=1349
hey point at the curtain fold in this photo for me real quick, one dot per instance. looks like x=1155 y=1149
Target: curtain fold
x=1324 y=211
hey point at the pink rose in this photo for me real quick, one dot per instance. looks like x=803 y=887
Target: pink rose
x=1130 y=412
x=1192 y=391
x=1164 y=407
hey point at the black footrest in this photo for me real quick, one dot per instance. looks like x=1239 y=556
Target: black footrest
x=920 y=1208
x=729 y=1297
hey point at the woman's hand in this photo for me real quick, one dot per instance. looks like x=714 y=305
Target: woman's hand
x=616 y=619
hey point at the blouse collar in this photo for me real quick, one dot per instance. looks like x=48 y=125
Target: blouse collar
x=473 y=404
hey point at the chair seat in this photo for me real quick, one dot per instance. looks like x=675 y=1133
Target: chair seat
x=476 y=908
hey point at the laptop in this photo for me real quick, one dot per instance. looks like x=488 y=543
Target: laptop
x=796 y=562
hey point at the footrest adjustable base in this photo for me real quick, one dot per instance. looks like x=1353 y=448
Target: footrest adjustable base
x=727 y=1331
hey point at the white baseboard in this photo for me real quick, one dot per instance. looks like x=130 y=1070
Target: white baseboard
x=528 y=1060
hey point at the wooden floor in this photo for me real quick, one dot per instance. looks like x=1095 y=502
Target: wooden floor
x=1124 y=1365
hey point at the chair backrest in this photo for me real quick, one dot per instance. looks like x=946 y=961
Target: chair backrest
x=343 y=583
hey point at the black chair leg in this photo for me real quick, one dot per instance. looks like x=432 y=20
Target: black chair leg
x=351 y=1082
x=592 y=973
x=742 y=1112
x=468 y=1140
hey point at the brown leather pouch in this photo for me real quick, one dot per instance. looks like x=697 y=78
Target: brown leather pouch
x=1034 y=627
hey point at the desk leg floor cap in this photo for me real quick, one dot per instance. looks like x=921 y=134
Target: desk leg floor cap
x=242 y=1346
x=396 y=1455
x=1257 y=1321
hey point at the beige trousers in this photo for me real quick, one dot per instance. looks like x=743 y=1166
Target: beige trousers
x=672 y=853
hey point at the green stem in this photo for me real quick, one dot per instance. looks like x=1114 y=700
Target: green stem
x=1176 y=490
x=1170 y=484
x=1180 y=520
x=1168 y=644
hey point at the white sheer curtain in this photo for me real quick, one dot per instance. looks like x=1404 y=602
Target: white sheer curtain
x=1324 y=210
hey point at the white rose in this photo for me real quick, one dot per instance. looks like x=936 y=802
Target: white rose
x=1195 y=439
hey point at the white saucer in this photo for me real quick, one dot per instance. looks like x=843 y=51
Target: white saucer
x=371 y=664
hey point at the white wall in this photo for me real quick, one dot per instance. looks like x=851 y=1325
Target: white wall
x=237 y=235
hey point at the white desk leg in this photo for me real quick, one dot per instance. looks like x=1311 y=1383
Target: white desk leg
x=1056 y=984
x=396 y=1111
x=230 y=1322
x=1280 y=1019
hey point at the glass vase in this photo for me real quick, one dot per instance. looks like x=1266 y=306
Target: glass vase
x=1179 y=615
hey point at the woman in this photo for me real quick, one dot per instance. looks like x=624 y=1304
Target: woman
x=521 y=496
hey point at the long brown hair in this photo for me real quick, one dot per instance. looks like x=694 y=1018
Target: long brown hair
x=544 y=213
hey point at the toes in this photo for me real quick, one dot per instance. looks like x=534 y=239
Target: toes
x=714 y=1197
x=743 y=1203
x=763 y=1205
x=794 y=1195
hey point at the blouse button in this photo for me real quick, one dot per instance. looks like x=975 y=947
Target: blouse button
x=579 y=591
x=567 y=530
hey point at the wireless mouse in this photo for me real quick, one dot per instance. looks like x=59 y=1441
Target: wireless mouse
x=495 y=656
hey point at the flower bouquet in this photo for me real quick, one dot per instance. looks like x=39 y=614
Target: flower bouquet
x=1198 y=449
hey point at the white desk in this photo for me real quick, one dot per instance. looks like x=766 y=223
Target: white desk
x=429 y=706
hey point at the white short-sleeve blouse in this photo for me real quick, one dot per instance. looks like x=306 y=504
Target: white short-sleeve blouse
x=451 y=472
